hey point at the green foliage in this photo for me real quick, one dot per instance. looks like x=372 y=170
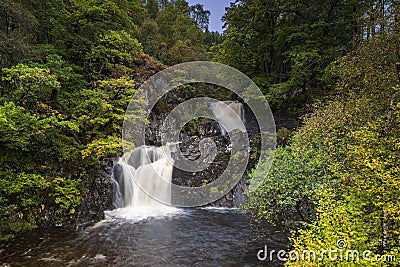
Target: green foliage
x=95 y=34
x=212 y=39
x=28 y=190
x=201 y=16
x=175 y=36
x=152 y=8
x=30 y=86
x=69 y=80
x=30 y=195
x=18 y=27
x=181 y=51
x=111 y=49
x=66 y=194
x=60 y=110
x=67 y=77
x=12 y=222
x=48 y=139
x=102 y=148
x=151 y=38
x=288 y=42
x=345 y=160
x=287 y=191
x=173 y=31
x=17 y=126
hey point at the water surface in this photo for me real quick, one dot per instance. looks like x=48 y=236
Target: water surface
x=189 y=237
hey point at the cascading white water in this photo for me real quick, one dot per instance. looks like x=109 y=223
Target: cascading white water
x=144 y=184
x=227 y=113
x=144 y=181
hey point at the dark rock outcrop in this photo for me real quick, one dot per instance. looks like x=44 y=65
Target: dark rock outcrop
x=97 y=195
x=190 y=149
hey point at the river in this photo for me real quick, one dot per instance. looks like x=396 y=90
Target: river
x=185 y=237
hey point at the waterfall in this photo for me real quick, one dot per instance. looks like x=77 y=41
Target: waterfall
x=143 y=182
x=143 y=175
x=230 y=116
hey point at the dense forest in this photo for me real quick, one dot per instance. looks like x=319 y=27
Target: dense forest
x=70 y=68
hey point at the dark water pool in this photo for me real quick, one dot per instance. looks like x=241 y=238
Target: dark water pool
x=194 y=237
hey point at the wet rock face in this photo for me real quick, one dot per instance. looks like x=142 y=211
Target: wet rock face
x=190 y=149
x=99 y=188
x=98 y=194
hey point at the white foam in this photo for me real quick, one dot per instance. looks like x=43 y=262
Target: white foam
x=136 y=214
x=219 y=209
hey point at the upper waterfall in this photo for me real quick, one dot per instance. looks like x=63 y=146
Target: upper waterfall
x=230 y=116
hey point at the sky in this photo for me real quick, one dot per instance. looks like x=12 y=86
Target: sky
x=217 y=9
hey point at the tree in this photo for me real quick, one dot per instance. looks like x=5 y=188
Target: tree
x=151 y=39
x=18 y=27
x=152 y=8
x=180 y=31
x=201 y=16
x=349 y=160
x=30 y=87
x=212 y=39
x=287 y=44
x=95 y=30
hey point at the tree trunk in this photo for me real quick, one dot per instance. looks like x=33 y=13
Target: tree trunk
x=54 y=95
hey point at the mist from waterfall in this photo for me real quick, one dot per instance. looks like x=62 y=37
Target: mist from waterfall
x=230 y=116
